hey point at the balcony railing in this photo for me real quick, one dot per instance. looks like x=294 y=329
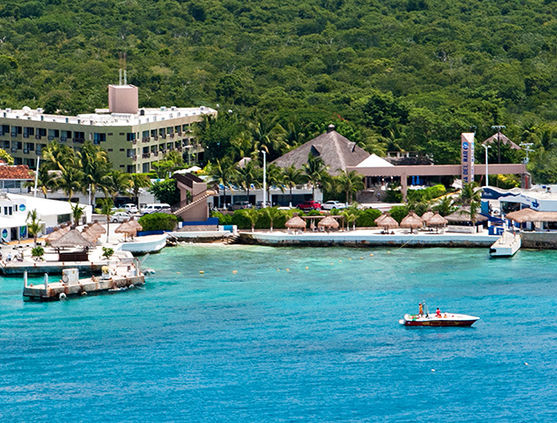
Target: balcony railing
x=79 y=140
x=146 y=139
x=146 y=155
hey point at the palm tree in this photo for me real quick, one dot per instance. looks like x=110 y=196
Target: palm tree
x=95 y=165
x=251 y=215
x=115 y=182
x=445 y=206
x=77 y=212
x=267 y=134
x=246 y=176
x=273 y=214
x=69 y=179
x=349 y=183
x=45 y=181
x=471 y=197
x=58 y=156
x=33 y=224
x=106 y=208
x=138 y=181
x=291 y=177
x=223 y=172
x=350 y=216
x=316 y=172
x=275 y=178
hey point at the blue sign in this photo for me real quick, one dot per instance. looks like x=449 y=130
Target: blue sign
x=22 y=207
x=4 y=233
x=467 y=157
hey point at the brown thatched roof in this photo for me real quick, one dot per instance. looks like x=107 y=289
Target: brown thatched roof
x=437 y=221
x=328 y=222
x=295 y=222
x=412 y=221
x=57 y=234
x=96 y=228
x=90 y=236
x=386 y=221
x=73 y=238
x=134 y=223
x=336 y=151
x=126 y=228
x=529 y=215
x=503 y=139
x=427 y=215
x=462 y=215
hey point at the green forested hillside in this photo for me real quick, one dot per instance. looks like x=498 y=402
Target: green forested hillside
x=395 y=74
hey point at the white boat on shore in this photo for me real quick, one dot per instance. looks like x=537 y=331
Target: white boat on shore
x=145 y=244
x=506 y=246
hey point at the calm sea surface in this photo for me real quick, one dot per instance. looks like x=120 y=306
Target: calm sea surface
x=277 y=341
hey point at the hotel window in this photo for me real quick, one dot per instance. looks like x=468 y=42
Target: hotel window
x=153 y=133
x=41 y=132
x=65 y=135
x=145 y=134
x=177 y=128
x=130 y=136
x=53 y=133
x=79 y=136
x=5 y=129
x=99 y=137
x=16 y=130
x=170 y=130
x=27 y=132
x=162 y=132
x=131 y=169
x=131 y=153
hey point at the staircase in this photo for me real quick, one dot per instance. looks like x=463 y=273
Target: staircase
x=185 y=207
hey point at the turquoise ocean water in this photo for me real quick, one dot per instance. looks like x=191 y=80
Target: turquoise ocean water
x=266 y=344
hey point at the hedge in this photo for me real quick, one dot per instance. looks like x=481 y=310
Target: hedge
x=158 y=221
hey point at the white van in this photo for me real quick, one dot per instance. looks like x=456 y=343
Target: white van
x=156 y=208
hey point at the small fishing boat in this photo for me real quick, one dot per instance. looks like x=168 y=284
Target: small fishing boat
x=444 y=319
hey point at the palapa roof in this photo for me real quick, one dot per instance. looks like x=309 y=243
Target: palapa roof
x=499 y=136
x=73 y=238
x=90 y=236
x=57 y=234
x=96 y=228
x=336 y=151
x=126 y=228
x=134 y=223
x=386 y=221
x=529 y=215
x=412 y=221
x=427 y=215
x=463 y=215
x=295 y=222
x=437 y=220
x=328 y=222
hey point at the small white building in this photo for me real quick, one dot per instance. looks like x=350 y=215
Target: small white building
x=14 y=209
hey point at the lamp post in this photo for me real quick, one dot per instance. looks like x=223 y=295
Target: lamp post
x=486 y=147
x=37 y=175
x=264 y=178
x=526 y=146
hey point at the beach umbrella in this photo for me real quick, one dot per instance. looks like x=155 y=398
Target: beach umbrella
x=295 y=222
x=72 y=238
x=127 y=229
x=380 y=218
x=134 y=223
x=387 y=222
x=329 y=223
x=437 y=221
x=412 y=221
x=90 y=236
x=57 y=234
x=96 y=228
x=427 y=215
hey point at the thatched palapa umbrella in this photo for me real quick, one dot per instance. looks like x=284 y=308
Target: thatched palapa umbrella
x=295 y=222
x=72 y=238
x=427 y=215
x=437 y=221
x=412 y=221
x=57 y=234
x=328 y=223
x=386 y=221
x=127 y=229
x=134 y=223
x=91 y=236
x=524 y=215
x=96 y=228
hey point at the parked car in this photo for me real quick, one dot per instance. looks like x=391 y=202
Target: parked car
x=119 y=217
x=310 y=205
x=156 y=208
x=240 y=205
x=259 y=204
x=333 y=204
x=130 y=208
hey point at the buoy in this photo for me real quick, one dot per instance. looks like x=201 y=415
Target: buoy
x=307 y=267
x=526 y=364
x=234 y=272
x=361 y=258
x=371 y=254
x=201 y=272
x=287 y=269
x=432 y=370
x=61 y=296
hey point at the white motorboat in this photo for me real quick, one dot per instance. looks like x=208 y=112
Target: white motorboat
x=444 y=319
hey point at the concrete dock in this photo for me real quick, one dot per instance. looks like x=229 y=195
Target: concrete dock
x=363 y=238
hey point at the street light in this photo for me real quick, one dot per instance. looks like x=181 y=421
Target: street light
x=498 y=127
x=264 y=178
x=526 y=146
x=487 y=147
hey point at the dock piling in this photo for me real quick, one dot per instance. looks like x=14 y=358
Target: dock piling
x=25 y=279
x=46 y=282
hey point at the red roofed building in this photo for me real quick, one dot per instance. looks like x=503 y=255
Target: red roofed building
x=14 y=177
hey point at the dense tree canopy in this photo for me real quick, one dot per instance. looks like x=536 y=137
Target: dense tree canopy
x=401 y=74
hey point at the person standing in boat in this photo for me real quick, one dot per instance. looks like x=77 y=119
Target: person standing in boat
x=437 y=312
x=420 y=309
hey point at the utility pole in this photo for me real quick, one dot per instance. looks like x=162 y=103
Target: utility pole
x=487 y=147
x=264 y=178
x=37 y=175
x=526 y=146
x=498 y=127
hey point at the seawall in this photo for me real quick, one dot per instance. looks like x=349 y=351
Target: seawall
x=539 y=240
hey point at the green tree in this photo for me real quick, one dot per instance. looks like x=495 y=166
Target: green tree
x=33 y=225
x=138 y=181
x=222 y=172
x=46 y=180
x=4 y=156
x=349 y=183
x=77 y=213
x=251 y=215
x=165 y=191
x=315 y=172
x=275 y=178
x=291 y=178
x=115 y=182
x=95 y=167
x=37 y=252
x=272 y=213
x=246 y=176
x=106 y=208
x=69 y=179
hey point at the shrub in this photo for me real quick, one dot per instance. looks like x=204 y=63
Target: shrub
x=399 y=213
x=37 y=251
x=224 y=219
x=366 y=218
x=107 y=252
x=393 y=196
x=158 y=222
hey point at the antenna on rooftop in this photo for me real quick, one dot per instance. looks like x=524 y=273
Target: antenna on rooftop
x=122 y=61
